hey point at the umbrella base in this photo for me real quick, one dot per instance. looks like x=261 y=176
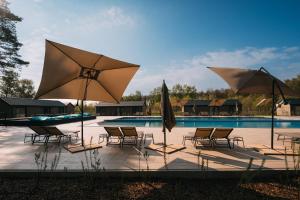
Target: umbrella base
x=169 y=149
x=75 y=148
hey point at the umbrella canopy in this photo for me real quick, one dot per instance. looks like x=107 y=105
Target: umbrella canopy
x=71 y=73
x=246 y=81
x=168 y=118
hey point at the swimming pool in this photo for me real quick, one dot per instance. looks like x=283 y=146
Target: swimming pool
x=228 y=122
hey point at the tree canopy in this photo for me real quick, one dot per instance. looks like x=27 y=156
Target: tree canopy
x=10 y=58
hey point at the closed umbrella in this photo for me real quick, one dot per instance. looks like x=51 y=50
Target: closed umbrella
x=168 y=122
x=167 y=114
x=246 y=81
x=71 y=73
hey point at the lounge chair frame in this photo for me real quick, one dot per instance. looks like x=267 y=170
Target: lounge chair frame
x=221 y=134
x=114 y=136
x=201 y=134
x=131 y=136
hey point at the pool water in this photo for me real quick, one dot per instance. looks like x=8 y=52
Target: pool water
x=228 y=122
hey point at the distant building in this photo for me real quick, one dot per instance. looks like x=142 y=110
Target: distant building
x=25 y=107
x=124 y=108
x=196 y=107
x=292 y=108
x=213 y=107
x=69 y=108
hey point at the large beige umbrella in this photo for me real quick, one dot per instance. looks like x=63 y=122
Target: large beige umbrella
x=71 y=73
x=246 y=81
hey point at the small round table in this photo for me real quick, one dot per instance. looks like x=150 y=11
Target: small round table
x=238 y=139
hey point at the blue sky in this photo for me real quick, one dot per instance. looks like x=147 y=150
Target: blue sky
x=171 y=40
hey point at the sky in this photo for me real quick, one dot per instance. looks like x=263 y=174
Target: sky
x=171 y=40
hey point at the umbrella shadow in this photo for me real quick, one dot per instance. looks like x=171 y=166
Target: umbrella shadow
x=216 y=156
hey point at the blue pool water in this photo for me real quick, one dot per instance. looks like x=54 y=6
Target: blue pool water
x=228 y=122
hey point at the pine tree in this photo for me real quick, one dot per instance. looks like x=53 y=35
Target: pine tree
x=10 y=59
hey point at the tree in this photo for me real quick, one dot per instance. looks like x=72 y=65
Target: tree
x=9 y=82
x=177 y=91
x=294 y=83
x=25 y=89
x=154 y=95
x=190 y=91
x=137 y=96
x=10 y=59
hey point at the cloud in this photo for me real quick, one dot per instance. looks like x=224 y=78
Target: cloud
x=74 y=28
x=282 y=62
x=112 y=17
x=33 y=51
x=246 y=57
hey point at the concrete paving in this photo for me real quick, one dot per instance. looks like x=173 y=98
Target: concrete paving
x=17 y=155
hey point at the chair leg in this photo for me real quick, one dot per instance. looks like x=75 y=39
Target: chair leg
x=228 y=140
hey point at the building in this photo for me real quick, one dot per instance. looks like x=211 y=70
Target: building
x=213 y=107
x=24 y=107
x=69 y=108
x=124 y=108
x=292 y=108
x=196 y=107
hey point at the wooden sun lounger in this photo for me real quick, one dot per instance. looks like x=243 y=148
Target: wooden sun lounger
x=221 y=134
x=131 y=135
x=58 y=134
x=115 y=136
x=40 y=135
x=199 y=135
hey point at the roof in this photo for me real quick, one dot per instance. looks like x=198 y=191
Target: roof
x=13 y=101
x=198 y=102
x=122 y=104
x=292 y=101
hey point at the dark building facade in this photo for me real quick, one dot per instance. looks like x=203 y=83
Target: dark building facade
x=69 y=108
x=124 y=108
x=11 y=107
x=213 y=107
x=196 y=107
x=291 y=108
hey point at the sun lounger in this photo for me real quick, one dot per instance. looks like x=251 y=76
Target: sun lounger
x=220 y=134
x=115 y=136
x=40 y=135
x=131 y=135
x=200 y=134
x=58 y=134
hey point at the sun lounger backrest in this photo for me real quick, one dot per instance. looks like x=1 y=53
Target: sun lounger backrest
x=53 y=130
x=129 y=131
x=222 y=132
x=203 y=132
x=39 y=130
x=113 y=131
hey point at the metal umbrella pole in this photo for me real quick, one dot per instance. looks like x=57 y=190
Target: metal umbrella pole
x=273 y=106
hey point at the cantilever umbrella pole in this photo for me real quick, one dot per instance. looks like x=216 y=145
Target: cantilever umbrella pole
x=82 y=141
x=273 y=106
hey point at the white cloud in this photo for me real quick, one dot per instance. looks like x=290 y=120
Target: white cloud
x=113 y=17
x=193 y=71
x=248 y=56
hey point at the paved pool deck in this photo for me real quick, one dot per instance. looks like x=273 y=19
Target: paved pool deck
x=15 y=155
